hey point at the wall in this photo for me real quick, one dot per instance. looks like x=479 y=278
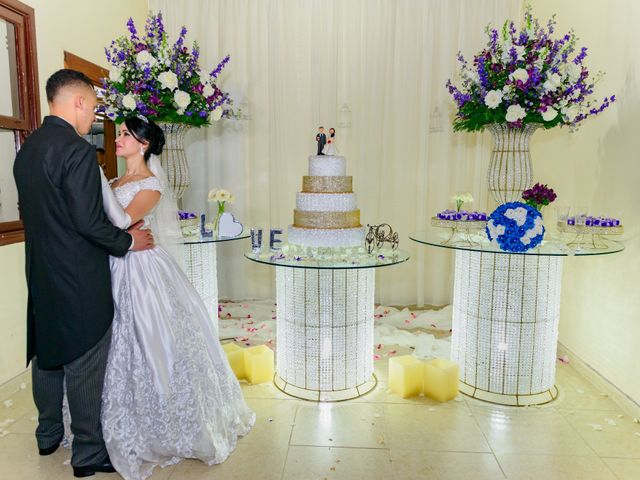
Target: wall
x=598 y=166
x=80 y=28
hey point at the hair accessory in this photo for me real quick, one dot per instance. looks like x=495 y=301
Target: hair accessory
x=143 y=118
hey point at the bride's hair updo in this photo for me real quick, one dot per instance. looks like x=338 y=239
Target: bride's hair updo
x=145 y=131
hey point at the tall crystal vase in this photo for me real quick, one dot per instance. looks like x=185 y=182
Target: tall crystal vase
x=173 y=158
x=510 y=170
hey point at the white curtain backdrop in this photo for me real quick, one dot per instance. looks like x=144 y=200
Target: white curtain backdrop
x=294 y=63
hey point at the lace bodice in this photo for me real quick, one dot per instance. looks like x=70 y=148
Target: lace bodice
x=125 y=193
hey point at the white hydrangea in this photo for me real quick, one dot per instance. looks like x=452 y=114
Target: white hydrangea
x=216 y=114
x=208 y=90
x=515 y=113
x=552 y=82
x=182 y=99
x=145 y=58
x=115 y=74
x=549 y=114
x=168 y=80
x=572 y=72
x=520 y=74
x=129 y=101
x=493 y=98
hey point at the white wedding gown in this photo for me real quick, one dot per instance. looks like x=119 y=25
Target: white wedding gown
x=169 y=392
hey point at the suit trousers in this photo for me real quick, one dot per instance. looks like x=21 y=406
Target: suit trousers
x=84 y=382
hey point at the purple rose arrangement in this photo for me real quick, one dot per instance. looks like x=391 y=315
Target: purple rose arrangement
x=162 y=81
x=523 y=77
x=539 y=196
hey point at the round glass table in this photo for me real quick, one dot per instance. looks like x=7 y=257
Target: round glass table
x=200 y=262
x=325 y=323
x=506 y=310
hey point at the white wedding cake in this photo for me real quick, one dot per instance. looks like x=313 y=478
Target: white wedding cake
x=326 y=213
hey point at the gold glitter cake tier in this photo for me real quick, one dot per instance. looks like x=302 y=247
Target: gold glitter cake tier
x=329 y=220
x=313 y=184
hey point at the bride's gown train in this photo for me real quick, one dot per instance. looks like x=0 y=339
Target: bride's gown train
x=169 y=392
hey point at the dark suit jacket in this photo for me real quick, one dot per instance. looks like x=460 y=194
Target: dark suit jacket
x=321 y=138
x=68 y=239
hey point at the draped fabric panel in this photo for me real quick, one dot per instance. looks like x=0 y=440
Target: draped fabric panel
x=294 y=64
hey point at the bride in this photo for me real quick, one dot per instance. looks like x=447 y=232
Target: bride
x=169 y=392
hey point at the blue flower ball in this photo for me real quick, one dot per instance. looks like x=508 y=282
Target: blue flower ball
x=515 y=227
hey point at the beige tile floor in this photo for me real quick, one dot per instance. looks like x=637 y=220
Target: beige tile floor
x=381 y=436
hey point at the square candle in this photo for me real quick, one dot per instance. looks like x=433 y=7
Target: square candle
x=441 y=379
x=258 y=364
x=405 y=375
x=235 y=355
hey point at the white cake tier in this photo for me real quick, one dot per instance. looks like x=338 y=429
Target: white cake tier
x=327 y=166
x=326 y=202
x=317 y=237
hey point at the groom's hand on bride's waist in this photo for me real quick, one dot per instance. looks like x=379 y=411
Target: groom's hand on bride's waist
x=141 y=239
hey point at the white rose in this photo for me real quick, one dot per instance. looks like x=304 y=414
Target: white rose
x=144 y=58
x=129 y=101
x=549 y=114
x=208 y=90
x=493 y=98
x=115 y=74
x=216 y=114
x=168 y=80
x=182 y=99
x=515 y=113
x=507 y=90
x=520 y=74
x=552 y=82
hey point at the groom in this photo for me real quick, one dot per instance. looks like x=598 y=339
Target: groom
x=68 y=240
x=321 y=140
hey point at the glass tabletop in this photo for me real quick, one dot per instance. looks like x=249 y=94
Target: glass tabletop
x=351 y=261
x=198 y=239
x=476 y=241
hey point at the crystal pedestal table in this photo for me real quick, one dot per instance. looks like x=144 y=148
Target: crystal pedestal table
x=200 y=263
x=506 y=310
x=325 y=324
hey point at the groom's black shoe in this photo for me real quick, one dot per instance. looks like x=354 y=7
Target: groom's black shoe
x=88 y=470
x=49 y=450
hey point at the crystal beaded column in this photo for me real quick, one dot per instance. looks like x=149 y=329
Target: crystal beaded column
x=324 y=332
x=505 y=326
x=201 y=269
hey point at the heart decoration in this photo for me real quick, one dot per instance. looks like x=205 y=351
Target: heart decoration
x=228 y=226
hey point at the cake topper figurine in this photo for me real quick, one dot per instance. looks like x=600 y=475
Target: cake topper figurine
x=321 y=140
x=330 y=148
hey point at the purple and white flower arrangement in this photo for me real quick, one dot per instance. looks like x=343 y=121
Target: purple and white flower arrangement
x=523 y=77
x=162 y=81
